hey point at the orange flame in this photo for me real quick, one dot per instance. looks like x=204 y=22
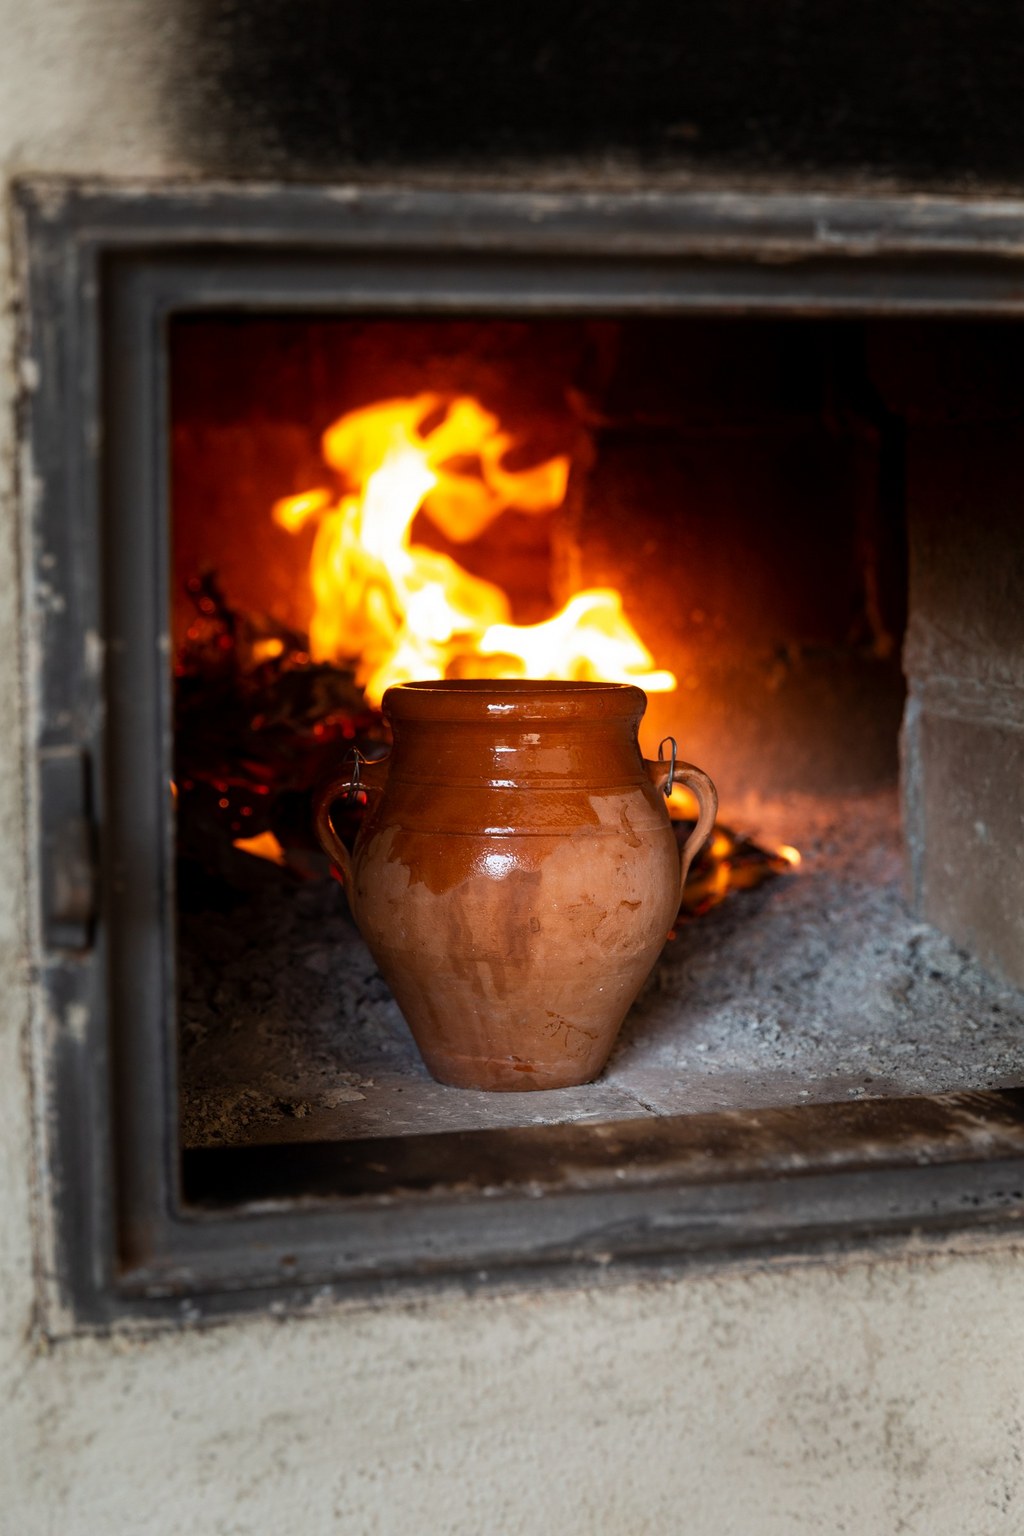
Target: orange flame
x=264 y=846
x=402 y=612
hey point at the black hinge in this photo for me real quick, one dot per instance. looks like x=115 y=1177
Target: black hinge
x=69 y=848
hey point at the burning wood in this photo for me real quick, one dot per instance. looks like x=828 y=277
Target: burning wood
x=259 y=725
x=730 y=862
x=264 y=714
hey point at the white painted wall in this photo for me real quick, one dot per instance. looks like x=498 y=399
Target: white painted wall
x=868 y=1397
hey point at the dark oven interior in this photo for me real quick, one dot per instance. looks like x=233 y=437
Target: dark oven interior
x=757 y=504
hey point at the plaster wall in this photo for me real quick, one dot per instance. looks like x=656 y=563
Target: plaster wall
x=873 y=1395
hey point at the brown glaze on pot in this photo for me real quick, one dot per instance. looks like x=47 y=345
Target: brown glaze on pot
x=516 y=873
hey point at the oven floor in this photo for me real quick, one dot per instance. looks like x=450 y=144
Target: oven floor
x=819 y=986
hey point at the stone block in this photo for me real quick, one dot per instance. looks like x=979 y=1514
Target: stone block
x=966 y=528
x=963 y=738
x=964 y=820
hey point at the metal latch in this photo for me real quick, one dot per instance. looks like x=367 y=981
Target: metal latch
x=68 y=848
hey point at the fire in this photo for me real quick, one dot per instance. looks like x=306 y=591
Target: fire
x=401 y=612
x=264 y=846
x=730 y=862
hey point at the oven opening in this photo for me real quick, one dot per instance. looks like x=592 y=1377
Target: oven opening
x=714 y=509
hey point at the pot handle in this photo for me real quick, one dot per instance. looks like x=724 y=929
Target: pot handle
x=363 y=775
x=668 y=771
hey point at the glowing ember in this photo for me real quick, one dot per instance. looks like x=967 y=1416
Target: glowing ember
x=730 y=862
x=264 y=846
x=267 y=650
x=401 y=612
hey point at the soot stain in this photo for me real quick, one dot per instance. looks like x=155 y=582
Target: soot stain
x=927 y=90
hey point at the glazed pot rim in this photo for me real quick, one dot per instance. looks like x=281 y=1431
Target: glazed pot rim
x=514 y=698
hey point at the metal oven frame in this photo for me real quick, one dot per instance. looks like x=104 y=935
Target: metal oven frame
x=137 y=1230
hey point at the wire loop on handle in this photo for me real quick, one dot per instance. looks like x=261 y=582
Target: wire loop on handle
x=351 y=789
x=672 y=763
x=365 y=775
x=703 y=791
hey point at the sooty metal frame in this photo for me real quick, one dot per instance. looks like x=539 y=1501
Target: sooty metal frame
x=140 y=1232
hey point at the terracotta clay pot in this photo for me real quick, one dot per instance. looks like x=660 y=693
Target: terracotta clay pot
x=516 y=873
